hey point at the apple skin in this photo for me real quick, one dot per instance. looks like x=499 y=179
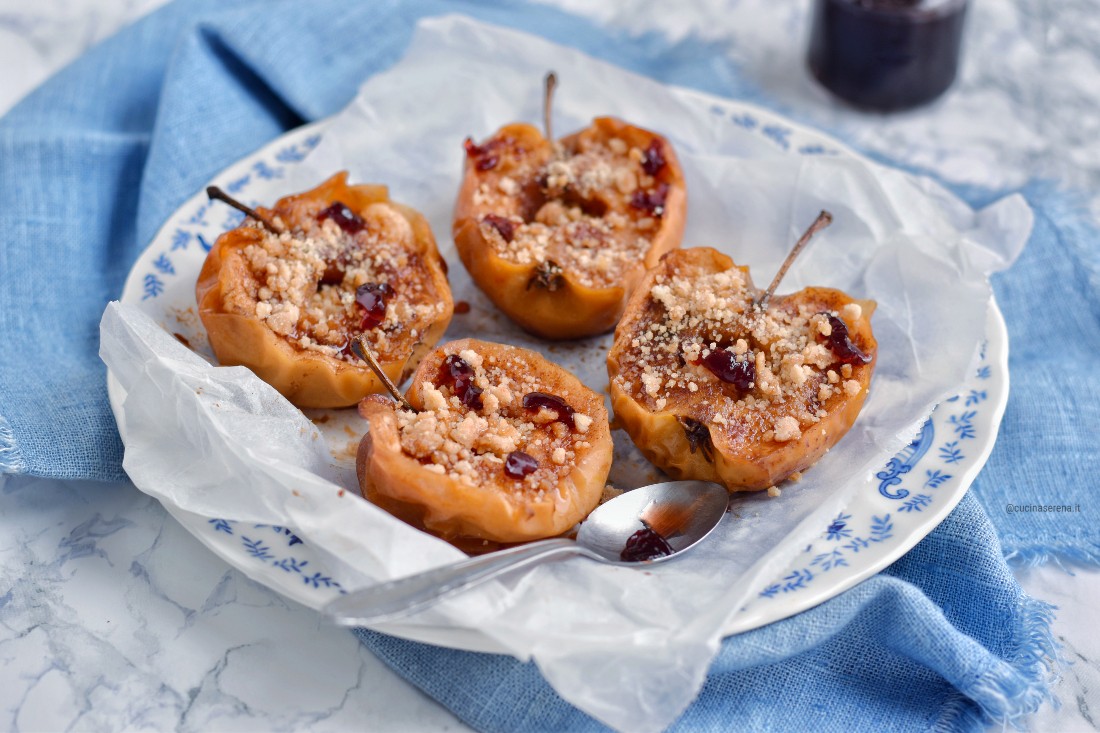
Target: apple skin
x=740 y=457
x=457 y=511
x=572 y=310
x=309 y=379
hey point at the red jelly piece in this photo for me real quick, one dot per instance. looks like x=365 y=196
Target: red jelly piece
x=724 y=365
x=457 y=367
x=653 y=160
x=459 y=375
x=504 y=225
x=841 y=346
x=645 y=544
x=518 y=464
x=344 y=217
x=652 y=201
x=334 y=271
x=534 y=401
x=469 y=393
x=372 y=298
x=484 y=156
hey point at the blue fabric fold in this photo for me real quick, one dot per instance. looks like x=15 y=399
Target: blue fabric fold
x=94 y=161
x=943 y=640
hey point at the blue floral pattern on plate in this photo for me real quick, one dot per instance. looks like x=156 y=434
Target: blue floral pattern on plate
x=915 y=491
x=261 y=548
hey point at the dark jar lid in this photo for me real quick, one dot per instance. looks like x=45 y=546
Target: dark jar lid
x=886 y=55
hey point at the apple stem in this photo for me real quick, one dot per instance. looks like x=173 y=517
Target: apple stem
x=547 y=100
x=823 y=220
x=215 y=193
x=359 y=346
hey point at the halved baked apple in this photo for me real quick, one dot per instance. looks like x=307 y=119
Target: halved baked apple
x=288 y=293
x=500 y=445
x=710 y=384
x=558 y=234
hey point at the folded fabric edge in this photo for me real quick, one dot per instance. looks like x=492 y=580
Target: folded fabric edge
x=1006 y=693
x=1061 y=554
x=11 y=458
x=1009 y=692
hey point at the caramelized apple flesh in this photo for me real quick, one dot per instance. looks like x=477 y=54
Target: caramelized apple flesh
x=348 y=262
x=711 y=387
x=559 y=234
x=502 y=446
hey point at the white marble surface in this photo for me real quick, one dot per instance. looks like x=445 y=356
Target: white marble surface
x=112 y=617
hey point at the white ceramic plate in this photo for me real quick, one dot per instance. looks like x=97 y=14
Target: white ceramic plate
x=912 y=494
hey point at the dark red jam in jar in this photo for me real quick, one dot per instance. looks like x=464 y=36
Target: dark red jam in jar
x=886 y=55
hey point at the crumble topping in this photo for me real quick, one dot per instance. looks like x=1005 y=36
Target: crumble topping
x=303 y=283
x=609 y=493
x=578 y=209
x=472 y=444
x=778 y=375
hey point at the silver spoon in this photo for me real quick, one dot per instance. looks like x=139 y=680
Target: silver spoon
x=681 y=512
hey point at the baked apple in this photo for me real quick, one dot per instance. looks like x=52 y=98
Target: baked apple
x=558 y=234
x=500 y=445
x=288 y=291
x=714 y=380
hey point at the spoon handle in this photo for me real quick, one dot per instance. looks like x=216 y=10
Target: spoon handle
x=399 y=598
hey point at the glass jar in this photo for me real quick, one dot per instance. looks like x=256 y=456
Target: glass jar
x=886 y=55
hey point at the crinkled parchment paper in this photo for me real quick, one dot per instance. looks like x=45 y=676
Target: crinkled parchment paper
x=629 y=647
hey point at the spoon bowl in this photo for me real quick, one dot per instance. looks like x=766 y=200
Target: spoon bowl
x=679 y=513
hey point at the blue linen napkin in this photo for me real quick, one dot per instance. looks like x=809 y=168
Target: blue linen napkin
x=943 y=640
x=1046 y=454
x=97 y=158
